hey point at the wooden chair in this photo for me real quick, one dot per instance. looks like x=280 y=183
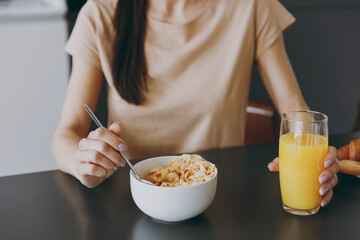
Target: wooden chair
x=260 y=126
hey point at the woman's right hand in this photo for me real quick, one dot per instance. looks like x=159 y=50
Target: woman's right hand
x=98 y=157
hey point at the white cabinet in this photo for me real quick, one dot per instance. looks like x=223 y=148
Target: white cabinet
x=33 y=78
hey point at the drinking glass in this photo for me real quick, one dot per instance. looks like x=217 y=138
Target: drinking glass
x=303 y=146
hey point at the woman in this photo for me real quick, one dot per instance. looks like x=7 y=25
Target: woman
x=178 y=75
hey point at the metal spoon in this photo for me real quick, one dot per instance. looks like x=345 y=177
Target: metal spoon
x=98 y=123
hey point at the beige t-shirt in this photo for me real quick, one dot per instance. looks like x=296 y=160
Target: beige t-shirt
x=199 y=73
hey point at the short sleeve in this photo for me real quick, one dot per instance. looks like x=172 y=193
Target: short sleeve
x=82 y=43
x=272 y=19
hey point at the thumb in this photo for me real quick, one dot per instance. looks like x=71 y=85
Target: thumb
x=274 y=165
x=115 y=128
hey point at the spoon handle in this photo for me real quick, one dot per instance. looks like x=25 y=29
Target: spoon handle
x=98 y=123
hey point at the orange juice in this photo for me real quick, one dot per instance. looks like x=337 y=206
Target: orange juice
x=301 y=160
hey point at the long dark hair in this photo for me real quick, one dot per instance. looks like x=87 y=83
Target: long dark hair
x=129 y=68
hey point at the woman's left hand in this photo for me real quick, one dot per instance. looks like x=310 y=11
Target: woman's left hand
x=328 y=178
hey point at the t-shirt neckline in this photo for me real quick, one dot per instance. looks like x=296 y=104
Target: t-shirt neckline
x=174 y=26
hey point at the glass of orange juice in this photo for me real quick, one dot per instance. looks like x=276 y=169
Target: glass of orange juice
x=303 y=147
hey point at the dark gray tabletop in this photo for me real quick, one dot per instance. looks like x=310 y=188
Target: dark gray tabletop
x=53 y=205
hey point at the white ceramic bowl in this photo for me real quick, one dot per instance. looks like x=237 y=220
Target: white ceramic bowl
x=171 y=204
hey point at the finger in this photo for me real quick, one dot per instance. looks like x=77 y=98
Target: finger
x=332 y=153
x=274 y=165
x=334 y=168
x=328 y=173
x=327 y=198
x=91 y=169
x=330 y=157
x=329 y=185
x=93 y=156
x=109 y=137
x=104 y=148
x=115 y=128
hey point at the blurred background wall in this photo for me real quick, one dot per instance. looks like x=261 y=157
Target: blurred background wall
x=323 y=46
